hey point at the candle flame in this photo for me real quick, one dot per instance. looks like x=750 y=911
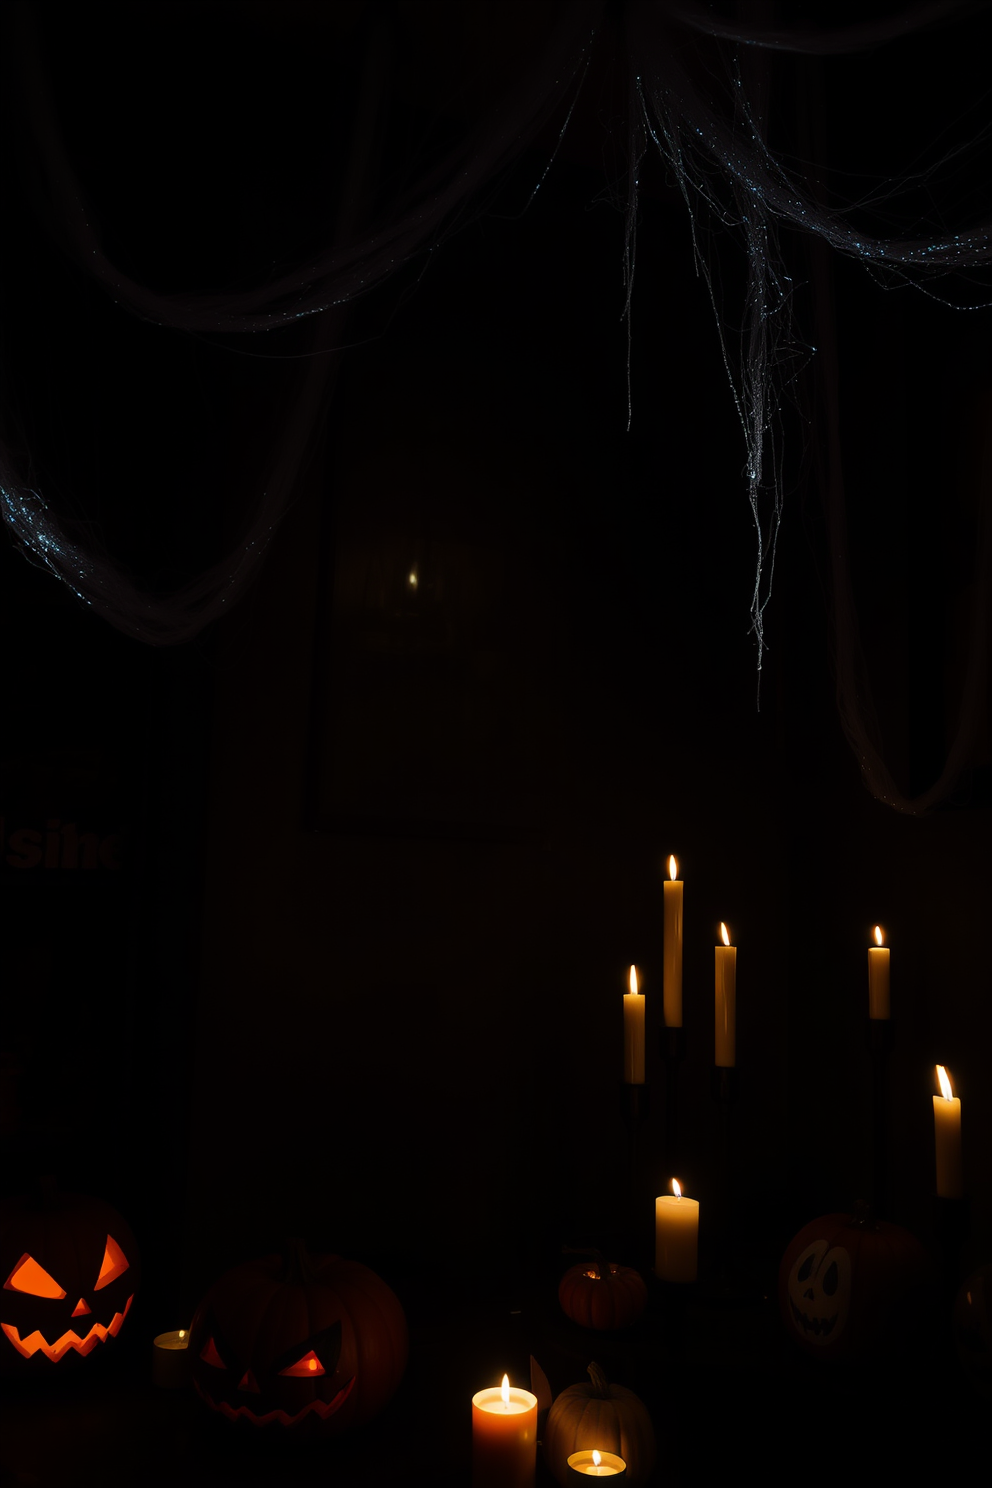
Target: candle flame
x=504 y=1389
x=676 y=1188
x=596 y=1459
x=633 y=980
x=724 y=933
x=879 y=937
x=412 y=578
x=945 y=1084
x=673 y=868
x=182 y=1332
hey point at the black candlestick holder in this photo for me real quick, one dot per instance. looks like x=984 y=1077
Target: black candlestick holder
x=725 y=1284
x=634 y=1105
x=952 y=1220
x=672 y=1053
x=880 y=1044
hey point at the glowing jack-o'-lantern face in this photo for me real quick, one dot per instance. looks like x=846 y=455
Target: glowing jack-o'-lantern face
x=317 y=1344
x=849 y=1284
x=819 y=1289
x=70 y=1268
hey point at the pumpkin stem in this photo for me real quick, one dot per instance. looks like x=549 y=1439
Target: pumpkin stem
x=297 y=1269
x=601 y=1267
x=598 y=1378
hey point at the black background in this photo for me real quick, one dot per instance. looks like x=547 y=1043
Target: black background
x=286 y=1013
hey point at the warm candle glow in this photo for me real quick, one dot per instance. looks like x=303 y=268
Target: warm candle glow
x=596 y=1459
x=633 y=980
x=945 y=1084
x=182 y=1332
x=724 y=934
x=504 y=1389
x=879 y=937
x=676 y=1188
x=673 y=868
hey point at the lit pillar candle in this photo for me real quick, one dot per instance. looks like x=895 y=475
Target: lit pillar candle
x=878 y=978
x=504 y=1437
x=673 y=947
x=170 y=1360
x=633 y=1033
x=595 y=1464
x=726 y=1001
x=676 y=1235
x=947 y=1139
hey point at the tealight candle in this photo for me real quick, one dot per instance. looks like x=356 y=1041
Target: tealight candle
x=947 y=1139
x=633 y=1033
x=672 y=985
x=170 y=1361
x=596 y=1464
x=878 y=978
x=676 y=1235
x=504 y=1437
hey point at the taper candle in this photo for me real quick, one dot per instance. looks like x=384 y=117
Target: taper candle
x=878 y=978
x=672 y=988
x=947 y=1139
x=725 y=1056
x=633 y=1033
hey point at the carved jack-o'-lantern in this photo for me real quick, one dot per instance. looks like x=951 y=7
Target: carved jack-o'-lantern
x=849 y=1284
x=70 y=1272
x=316 y=1343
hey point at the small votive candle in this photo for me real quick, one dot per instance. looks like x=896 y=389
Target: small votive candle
x=170 y=1360
x=504 y=1437
x=595 y=1464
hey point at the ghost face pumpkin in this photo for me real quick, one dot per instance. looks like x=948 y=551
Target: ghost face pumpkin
x=852 y=1285
x=313 y=1343
x=70 y=1272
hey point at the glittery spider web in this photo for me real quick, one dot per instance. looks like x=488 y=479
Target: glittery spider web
x=696 y=96
x=730 y=180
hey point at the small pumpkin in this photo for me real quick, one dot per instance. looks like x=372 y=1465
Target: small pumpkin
x=314 y=1344
x=601 y=1294
x=70 y=1272
x=851 y=1285
x=607 y=1417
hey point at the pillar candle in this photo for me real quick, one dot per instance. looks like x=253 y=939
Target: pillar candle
x=878 y=978
x=673 y=947
x=947 y=1139
x=170 y=1360
x=504 y=1437
x=726 y=1002
x=676 y=1236
x=633 y=1033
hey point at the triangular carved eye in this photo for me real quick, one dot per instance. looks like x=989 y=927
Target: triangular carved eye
x=209 y=1355
x=27 y=1276
x=306 y=1368
x=114 y=1264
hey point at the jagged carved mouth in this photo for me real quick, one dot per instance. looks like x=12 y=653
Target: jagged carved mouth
x=35 y=1343
x=320 y=1408
x=816 y=1329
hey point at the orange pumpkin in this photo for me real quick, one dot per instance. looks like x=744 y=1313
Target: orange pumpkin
x=849 y=1284
x=308 y=1343
x=601 y=1294
x=69 y=1268
x=607 y=1417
